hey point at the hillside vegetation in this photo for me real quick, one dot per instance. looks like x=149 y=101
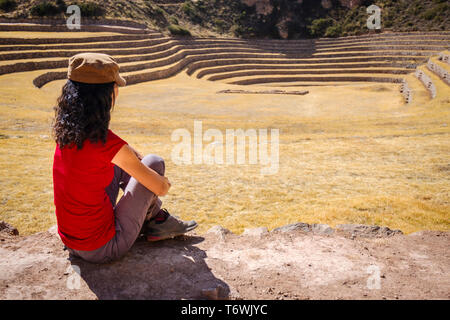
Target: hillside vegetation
x=248 y=18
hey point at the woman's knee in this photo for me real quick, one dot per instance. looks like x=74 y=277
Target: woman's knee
x=155 y=162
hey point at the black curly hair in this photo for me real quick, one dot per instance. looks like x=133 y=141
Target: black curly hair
x=83 y=111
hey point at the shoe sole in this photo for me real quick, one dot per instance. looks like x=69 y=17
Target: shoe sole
x=153 y=238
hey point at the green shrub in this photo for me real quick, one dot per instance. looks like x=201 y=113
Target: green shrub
x=429 y=14
x=437 y=10
x=7 y=5
x=91 y=9
x=188 y=9
x=333 y=31
x=178 y=31
x=191 y=11
x=44 y=9
x=220 y=24
x=240 y=30
x=319 y=26
x=61 y=5
x=173 y=20
x=158 y=10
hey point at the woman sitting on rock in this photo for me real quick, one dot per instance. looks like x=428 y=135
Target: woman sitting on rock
x=91 y=163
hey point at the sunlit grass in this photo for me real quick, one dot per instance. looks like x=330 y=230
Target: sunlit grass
x=347 y=154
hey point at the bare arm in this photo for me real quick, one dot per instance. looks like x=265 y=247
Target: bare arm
x=127 y=160
x=140 y=157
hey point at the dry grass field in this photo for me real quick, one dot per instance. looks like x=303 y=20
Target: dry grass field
x=354 y=153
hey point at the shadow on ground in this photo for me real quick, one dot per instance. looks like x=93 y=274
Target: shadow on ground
x=173 y=269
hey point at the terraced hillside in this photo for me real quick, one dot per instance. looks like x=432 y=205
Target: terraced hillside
x=147 y=55
x=351 y=150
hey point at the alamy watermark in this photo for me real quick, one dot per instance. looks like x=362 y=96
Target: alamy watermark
x=220 y=148
x=374 y=280
x=374 y=20
x=74 y=21
x=74 y=277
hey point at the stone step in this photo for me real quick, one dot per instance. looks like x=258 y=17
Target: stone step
x=427 y=81
x=442 y=89
x=16 y=41
x=439 y=68
x=15 y=55
x=191 y=57
x=385 y=47
x=160 y=50
x=64 y=28
x=394 y=35
x=444 y=57
x=178 y=63
x=148 y=53
x=326 y=78
x=153 y=56
x=413 y=90
x=210 y=62
x=85 y=46
x=385 y=42
x=208 y=71
x=278 y=44
x=275 y=72
x=295 y=84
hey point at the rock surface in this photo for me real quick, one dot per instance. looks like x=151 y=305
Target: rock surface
x=298 y=261
x=9 y=229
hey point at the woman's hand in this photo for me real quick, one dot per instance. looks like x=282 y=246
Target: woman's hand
x=128 y=161
x=168 y=183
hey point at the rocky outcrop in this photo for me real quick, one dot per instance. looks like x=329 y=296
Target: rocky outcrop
x=8 y=229
x=298 y=261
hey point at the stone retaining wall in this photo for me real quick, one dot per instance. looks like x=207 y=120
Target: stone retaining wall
x=406 y=91
x=84 y=46
x=157 y=51
x=108 y=22
x=308 y=72
x=31 y=66
x=249 y=65
x=428 y=83
x=190 y=56
x=316 y=79
x=62 y=53
x=420 y=35
x=286 y=47
x=59 y=28
x=444 y=57
x=438 y=70
x=380 y=42
x=15 y=41
x=240 y=59
x=48 y=77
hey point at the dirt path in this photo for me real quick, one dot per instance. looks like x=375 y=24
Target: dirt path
x=299 y=262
